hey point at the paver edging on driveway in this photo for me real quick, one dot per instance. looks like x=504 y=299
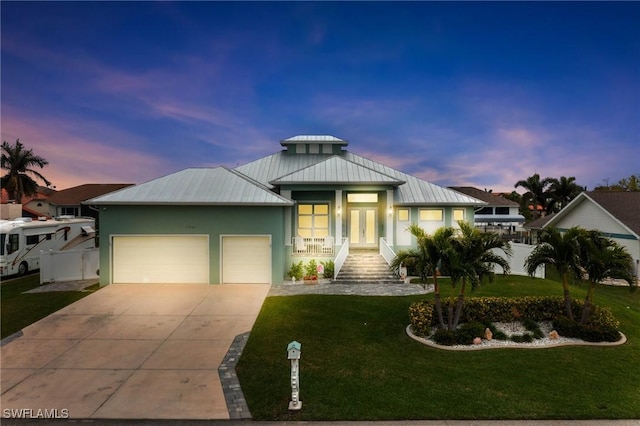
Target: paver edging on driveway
x=236 y=404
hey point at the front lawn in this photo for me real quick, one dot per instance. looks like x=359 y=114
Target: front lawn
x=20 y=310
x=358 y=364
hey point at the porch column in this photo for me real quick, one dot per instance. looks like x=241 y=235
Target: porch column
x=287 y=218
x=389 y=217
x=338 y=215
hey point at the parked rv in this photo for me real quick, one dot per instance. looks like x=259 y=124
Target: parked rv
x=22 y=240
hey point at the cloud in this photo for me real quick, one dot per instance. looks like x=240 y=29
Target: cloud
x=79 y=154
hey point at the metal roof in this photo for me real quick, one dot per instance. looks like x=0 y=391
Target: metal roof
x=313 y=139
x=205 y=186
x=413 y=191
x=337 y=170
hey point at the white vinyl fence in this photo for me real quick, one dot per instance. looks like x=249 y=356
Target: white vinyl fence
x=69 y=265
x=516 y=262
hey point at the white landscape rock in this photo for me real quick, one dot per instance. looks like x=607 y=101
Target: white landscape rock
x=514 y=328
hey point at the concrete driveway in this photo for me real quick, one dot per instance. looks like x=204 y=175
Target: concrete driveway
x=131 y=351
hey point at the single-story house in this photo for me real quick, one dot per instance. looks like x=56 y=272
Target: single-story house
x=614 y=213
x=313 y=199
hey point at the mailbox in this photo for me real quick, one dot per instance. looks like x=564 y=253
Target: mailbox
x=293 y=350
x=293 y=354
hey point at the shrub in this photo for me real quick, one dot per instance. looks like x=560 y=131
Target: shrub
x=522 y=338
x=587 y=332
x=296 y=271
x=311 y=269
x=421 y=317
x=469 y=331
x=329 y=268
x=445 y=337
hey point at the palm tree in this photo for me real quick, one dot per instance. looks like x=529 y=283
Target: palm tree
x=537 y=194
x=562 y=192
x=426 y=259
x=471 y=259
x=562 y=252
x=19 y=163
x=601 y=258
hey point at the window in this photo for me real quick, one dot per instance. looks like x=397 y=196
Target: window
x=362 y=198
x=12 y=243
x=313 y=220
x=485 y=210
x=69 y=211
x=502 y=210
x=431 y=215
x=403 y=215
x=458 y=214
x=32 y=239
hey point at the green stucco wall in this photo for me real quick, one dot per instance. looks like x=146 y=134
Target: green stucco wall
x=197 y=220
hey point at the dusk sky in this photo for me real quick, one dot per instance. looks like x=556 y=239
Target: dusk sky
x=480 y=94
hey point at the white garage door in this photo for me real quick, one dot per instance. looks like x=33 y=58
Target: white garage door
x=161 y=259
x=246 y=259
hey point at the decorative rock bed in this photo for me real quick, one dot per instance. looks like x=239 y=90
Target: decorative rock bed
x=516 y=328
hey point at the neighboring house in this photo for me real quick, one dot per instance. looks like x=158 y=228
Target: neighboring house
x=614 y=213
x=34 y=206
x=313 y=199
x=68 y=202
x=498 y=215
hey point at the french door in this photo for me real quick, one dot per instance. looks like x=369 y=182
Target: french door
x=363 y=227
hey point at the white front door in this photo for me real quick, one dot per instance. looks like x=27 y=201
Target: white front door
x=363 y=227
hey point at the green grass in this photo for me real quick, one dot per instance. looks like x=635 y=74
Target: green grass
x=358 y=364
x=20 y=310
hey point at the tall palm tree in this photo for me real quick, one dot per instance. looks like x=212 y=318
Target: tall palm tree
x=562 y=252
x=537 y=194
x=19 y=163
x=562 y=192
x=471 y=259
x=601 y=258
x=426 y=258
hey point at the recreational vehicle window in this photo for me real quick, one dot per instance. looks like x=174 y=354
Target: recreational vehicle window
x=33 y=239
x=12 y=244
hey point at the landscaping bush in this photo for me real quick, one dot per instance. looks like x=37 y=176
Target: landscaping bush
x=329 y=268
x=296 y=271
x=421 y=318
x=469 y=331
x=531 y=310
x=587 y=332
x=445 y=337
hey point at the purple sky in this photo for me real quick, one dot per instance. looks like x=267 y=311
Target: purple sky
x=481 y=94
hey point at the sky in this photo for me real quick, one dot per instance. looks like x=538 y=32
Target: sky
x=477 y=94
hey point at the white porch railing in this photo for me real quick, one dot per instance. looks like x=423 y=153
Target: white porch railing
x=386 y=251
x=340 y=257
x=324 y=246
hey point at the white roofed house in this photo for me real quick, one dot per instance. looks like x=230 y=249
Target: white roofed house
x=313 y=199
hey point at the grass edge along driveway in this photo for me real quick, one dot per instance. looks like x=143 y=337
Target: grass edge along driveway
x=19 y=309
x=358 y=364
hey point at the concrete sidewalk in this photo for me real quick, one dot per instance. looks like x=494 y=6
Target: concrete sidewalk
x=131 y=352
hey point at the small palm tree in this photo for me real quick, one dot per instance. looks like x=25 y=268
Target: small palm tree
x=601 y=258
x=471 y=259
x=426 y=258
x=19 y=163
x=562 y=252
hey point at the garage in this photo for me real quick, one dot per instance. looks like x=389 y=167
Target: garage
x=246 y=259
x=161 y=259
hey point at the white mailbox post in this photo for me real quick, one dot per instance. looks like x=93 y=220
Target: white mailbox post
x=293 y=353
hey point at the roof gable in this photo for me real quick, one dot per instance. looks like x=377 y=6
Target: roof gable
x=622 y=207
x=205 y=186
x=337 y=170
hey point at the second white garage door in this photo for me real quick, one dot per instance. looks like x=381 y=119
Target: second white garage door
x=161 y=259
x=246 y=259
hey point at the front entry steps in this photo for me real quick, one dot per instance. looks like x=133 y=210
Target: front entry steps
x=366 y=267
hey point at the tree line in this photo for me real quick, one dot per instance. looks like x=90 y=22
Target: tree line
x=550 y=195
